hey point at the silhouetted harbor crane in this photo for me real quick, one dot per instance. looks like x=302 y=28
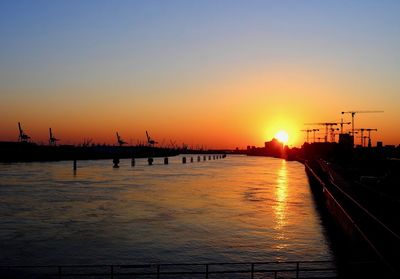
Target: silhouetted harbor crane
x=22 y=136
x=120 y=141
x=24 y=150
x=52 y=139
x=150 y=141
x=173 y=143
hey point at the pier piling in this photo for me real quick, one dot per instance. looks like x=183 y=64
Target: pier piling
x=74 y=165
x=191 y=159
x=183 y=160
x=133 y=162
x=150 y=161
x=166 y=161
x=116 y=163
x=198 y=158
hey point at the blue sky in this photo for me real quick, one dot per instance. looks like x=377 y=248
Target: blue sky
x=154 y=51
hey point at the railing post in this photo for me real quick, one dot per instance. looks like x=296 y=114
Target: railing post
x=297 y=270
x=112 y=271
x=275 y=274
x=59 y=272
x=158 y=271
x=252 y=271
x=206 y=271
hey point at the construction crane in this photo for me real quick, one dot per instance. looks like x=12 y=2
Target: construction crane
x=333 y=134
x=120 y=141
x=22 y=136
x=341 y=123
x=173 y=144
x=52 y=139
x=308 y=131
x=315 y=130
x=87 y=142
x=353 y=113
x=328 y=125
x=363 y=138
x=150 y=141
x=369 y=135
x=361 y=130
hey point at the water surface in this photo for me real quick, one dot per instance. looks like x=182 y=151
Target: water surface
x=234 y=209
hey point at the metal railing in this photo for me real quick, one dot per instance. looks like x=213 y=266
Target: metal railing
x=289 y=269
x=381 y=239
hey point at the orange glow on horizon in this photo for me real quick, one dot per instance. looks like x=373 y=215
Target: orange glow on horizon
x=231 y=83
x=230 y=111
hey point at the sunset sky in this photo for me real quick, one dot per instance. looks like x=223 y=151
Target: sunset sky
x=212 y=73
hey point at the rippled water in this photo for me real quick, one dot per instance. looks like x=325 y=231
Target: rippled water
x=234 y=209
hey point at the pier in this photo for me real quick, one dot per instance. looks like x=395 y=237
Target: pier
x=150 y=161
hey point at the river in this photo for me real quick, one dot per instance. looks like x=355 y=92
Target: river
x=234 y=209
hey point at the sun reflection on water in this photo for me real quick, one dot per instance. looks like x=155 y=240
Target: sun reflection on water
x=281 y=195
x=238 y=209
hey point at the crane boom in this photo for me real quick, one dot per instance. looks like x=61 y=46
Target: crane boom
x=353 y=113
x=150 y=141
x=22 y=136
x=52 y=139
x=362 y=111
x=120 y=140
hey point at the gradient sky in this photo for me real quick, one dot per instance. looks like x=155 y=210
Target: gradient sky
x=212 y=73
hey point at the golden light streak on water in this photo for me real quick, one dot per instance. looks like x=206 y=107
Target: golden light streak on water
x=280 y=207
x=237 y=209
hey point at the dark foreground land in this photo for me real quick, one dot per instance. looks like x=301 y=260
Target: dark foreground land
x=359 y=192
x=29 y=152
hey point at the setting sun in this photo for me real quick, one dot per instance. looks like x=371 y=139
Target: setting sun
x=282 y=136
